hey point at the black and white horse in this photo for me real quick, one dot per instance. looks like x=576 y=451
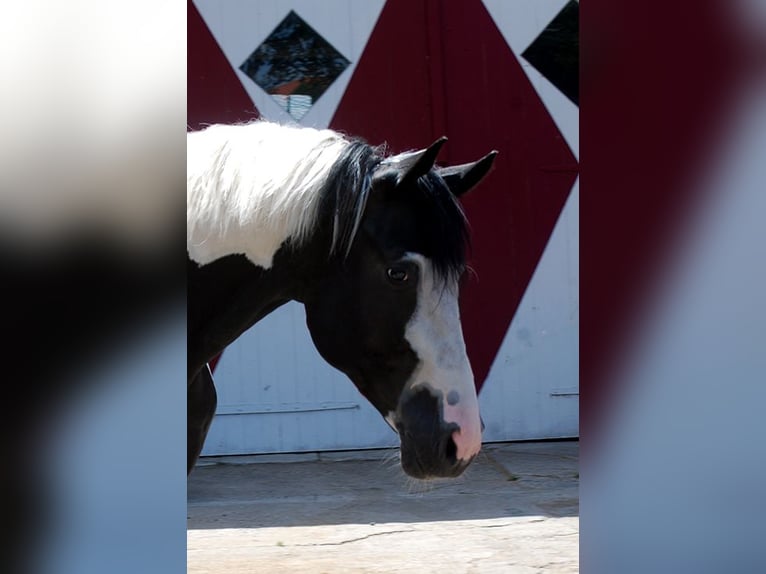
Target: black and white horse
x=373 y=246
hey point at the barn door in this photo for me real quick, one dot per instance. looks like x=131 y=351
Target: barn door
x=404 y=73
x=276 y=394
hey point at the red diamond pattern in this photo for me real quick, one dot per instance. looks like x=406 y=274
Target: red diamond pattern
x=430 y=69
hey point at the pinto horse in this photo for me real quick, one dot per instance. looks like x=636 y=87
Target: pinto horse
x=372 y=245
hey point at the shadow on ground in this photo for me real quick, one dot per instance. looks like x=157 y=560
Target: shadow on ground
x=506 y=480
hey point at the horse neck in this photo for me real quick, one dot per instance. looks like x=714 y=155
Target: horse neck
x=230 y=295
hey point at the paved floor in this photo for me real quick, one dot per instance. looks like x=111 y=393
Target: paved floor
x=514 y=510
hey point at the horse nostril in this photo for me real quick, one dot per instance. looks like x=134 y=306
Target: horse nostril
x=451 y=450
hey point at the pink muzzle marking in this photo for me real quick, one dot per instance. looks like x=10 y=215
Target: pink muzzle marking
x=468 y=438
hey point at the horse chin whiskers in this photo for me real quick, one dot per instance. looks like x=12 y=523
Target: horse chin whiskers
x=390 y=418
x=422 y=486
x=391 y=460
x=419 y=486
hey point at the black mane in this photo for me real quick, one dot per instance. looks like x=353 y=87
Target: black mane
x=347 y=190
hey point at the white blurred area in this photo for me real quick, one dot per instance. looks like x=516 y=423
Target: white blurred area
x=675 y=481
x=92 y=109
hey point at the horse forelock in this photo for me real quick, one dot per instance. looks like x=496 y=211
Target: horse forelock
x=444 y=228
x=441 y=223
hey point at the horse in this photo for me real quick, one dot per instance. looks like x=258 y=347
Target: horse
x=373 y=245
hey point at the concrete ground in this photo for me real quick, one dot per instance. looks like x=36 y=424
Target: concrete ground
x=515 y=510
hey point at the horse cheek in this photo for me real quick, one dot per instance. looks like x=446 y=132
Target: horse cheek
x=328 y=337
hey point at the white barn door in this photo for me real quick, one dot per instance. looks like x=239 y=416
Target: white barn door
x=275 y=393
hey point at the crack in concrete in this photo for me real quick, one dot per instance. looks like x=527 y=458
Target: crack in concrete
x=504 y=471
x=562 y=535
x=509 y=524
x=543 y=454
x=351 y=539
x=553 y=476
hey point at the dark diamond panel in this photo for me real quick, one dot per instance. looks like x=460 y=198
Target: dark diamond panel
x=555 y=52
x=295 y=65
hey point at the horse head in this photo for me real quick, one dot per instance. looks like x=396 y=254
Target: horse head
x=386 y=311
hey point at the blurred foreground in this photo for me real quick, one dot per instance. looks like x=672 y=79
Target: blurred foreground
x=92 y=164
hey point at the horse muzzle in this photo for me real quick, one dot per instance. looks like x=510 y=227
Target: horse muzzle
x=431 y=447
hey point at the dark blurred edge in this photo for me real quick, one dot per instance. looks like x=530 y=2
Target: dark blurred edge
x=68 y=310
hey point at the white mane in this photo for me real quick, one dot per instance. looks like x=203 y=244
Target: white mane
x=250 y=187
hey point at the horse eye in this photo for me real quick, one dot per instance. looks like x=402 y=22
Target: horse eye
x=397 y=275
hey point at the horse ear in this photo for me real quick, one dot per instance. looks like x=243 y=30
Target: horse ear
x=461 y=178
x=420 y=162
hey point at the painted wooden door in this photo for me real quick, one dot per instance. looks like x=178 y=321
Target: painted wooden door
x=406 y=73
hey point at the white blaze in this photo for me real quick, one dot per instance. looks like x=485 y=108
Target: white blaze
x=435 y=334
